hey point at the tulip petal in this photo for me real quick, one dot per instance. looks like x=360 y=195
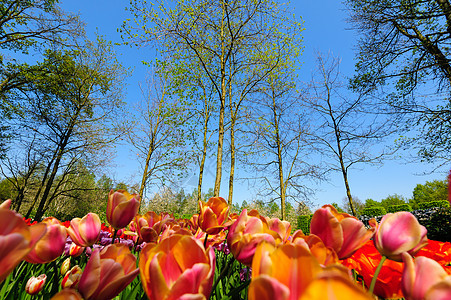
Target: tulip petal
x=355 y=235
x=327 y=227
x=90 y=279
x=265 y=287
x=440 y=291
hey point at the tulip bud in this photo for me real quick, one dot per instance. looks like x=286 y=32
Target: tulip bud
x=35 y=284
x=75 y=250
x=72 y=278
x=121 y=208
x=65 y=266
x=397 y=233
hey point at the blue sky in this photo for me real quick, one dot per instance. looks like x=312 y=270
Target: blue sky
x=325 y=30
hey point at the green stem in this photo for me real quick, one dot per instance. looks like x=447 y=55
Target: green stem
x=114 y=236
x=376 y=273
x=223 y=273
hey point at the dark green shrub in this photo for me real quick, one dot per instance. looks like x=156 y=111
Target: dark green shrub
x=432 y=204
x=304 y=223
x=374 y=211
x=439 y=225
x=399 y=207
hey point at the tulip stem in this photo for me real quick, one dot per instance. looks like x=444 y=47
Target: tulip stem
x=205 y=241
x=114 y=236
x=223 y=273
x=376 y=273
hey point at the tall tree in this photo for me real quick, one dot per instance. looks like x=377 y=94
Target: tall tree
x=27 y=26
x=159 y=136
x=214 y=34
x=347 y=128
x=405 y=49
x=73 y=103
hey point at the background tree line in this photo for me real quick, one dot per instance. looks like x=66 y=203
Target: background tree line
x=224 y=86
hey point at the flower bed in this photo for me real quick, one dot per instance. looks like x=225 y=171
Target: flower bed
x=218 y=255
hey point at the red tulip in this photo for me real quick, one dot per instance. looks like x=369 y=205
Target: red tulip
x=177 y=268
x=245 y=234
x=86 y=231
x=51 y=245
x=17 y=239
x=397 y=233
x=213 y=215
x=121 y=208
x=75 y=250
x=108 y=272
x=340 y=231
x=35 y=284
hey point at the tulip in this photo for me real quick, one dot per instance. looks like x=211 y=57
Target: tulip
x=423 y=276
x=67 y=294
x=283 y=228
x=397 y=233
x=245 y=234
x=150 y=225
x=75 y=250
x=324 y=255
x=72 y=278
x=289 y=271
x=6 y=204
x=35 y=284
x=177 y=268
x=86 y=231
x=108 y=272
x=340 y=231
x=17 y=239
x=121 y=208
x=65 y=266
x=51 y=245
x=213 y=215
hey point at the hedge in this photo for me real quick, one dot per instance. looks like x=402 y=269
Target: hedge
x=304 y=223
x=399 y=207
x=432 y=204
x=374 y=211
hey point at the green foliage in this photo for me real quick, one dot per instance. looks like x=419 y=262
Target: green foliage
x=374 y=211
x=304 y=223
x=393 y=200
x=399 y=207
x=439 y=225
x=436 y=190
x=432 y=204
x=371 y=203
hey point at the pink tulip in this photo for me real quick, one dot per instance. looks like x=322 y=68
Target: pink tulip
x=213 y=215
x=86 y=231
x=108 y=272
x=423 y=278
x=177 y=268
x=6 y=204
x=51 y=245
x=283 y=228
x=35 y=284
x=397 y=233
x=340 y=231
x=245 y=234
x=121 y=208
x=17 y=239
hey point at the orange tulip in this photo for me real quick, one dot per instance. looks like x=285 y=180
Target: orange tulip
x=397 y=233
x=35 y=284
x=121 y=208
x=289 y=271
x=283 y=228
x=177 y=267
x=86 y=231
x=340 y=231
x=150 y=225
x=324 y=255
x=213 y=215
x=17 y=239
x=67 y=294
x=245 y=234
x=108 y=272
x=75 y=250
x=51 y=245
